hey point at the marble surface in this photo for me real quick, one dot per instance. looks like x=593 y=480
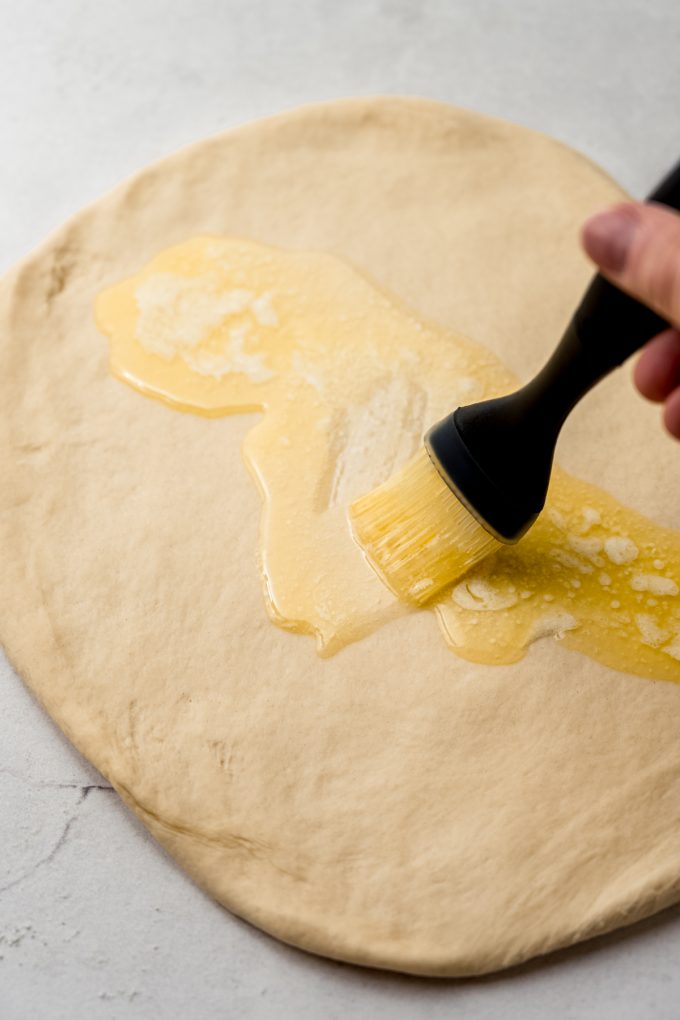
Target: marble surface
x=95 y=920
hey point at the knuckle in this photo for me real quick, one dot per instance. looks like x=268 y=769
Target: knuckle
x=658 y=269
x=664 y=285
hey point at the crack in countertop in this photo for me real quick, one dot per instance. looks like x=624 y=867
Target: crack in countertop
x=85 y=790
x=53 y=784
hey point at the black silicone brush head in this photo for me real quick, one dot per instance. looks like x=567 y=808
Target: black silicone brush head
x=497 y=455
x=498 y=469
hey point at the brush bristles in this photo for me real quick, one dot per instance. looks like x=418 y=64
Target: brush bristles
x=417 y=533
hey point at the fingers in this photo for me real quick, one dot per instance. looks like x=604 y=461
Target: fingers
x=637 y=247
x=657 y=372
x=657 y=376
x=671 y=413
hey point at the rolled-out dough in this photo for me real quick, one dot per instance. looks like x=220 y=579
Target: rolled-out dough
x=392 y=805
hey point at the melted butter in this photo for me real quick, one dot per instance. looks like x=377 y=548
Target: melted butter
x=348 y=380
x=590 y=571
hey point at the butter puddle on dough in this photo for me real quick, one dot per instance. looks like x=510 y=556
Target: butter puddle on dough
x=348 y=380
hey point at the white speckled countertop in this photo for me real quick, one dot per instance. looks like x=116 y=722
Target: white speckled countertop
x=95 y=920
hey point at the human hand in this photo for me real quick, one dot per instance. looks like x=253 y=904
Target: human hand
x=637 y=247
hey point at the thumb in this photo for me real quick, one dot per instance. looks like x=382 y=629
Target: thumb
x=637 y=247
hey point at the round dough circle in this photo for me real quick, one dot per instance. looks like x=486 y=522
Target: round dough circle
x=392 y=805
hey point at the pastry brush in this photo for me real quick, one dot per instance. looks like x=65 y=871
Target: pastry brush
x=482 y=476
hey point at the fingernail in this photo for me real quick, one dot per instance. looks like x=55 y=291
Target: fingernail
x=608 y=236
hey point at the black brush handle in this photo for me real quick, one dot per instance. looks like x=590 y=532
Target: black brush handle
x=606 y=328
x=616 y=323
x=499 y=452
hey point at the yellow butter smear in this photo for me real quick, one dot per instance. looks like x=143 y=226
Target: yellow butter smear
x=348 y=380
